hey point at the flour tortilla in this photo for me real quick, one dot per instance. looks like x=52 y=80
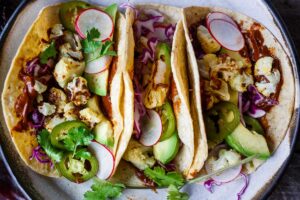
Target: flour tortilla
x=278 y=125
x=181 y=103
x=30 y=48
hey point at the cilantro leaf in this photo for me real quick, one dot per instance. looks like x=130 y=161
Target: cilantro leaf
x=93 y=34
x=77 y=136
x=83 y=153
x=44 y=141
x=49 y=52
x=175 y=194
x=102 y=190
x=161 y=178
x=96 y=49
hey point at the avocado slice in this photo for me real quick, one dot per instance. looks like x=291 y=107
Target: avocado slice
x=104 y=133
x=248 y=143
x=245 y=61
x=166 y=150
x=98 y=83
x=112 y=11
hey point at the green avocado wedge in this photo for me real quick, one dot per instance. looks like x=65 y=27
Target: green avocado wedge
x=98 y=83
x=248 y=143
x=69 y=12
x=166 y=150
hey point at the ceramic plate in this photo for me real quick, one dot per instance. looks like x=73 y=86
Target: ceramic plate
x=39 y=187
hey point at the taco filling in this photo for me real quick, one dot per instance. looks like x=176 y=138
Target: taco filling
x=155 y=142
x=66 y=95
x=240 y=82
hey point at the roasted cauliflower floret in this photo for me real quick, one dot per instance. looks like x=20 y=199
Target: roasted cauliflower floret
x=208 y=43
x=218 y=87
x=66 y=50
x=51 y=122
x=139 y=155
x=226 y=158
x=240 y=82
x=70 y=112
x=39 y=87
x=271 y=77
x=78 y=91
x=47 y=109
x=73 y=39
x=66 y=69
x=58 y=98
x=56 y=31
x=90 y=117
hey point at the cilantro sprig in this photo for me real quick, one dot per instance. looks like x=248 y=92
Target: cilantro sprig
x=44 y=141
x=103 y=190
x=78 y=136
x=175 y=194
x=163 y=178
x=94 y=48
x=49 y=52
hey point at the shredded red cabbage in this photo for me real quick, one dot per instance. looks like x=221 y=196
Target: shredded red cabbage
x=139 y=108
x=243 y=190
x=36 y=119
x=162 y=32
x=131 y=6
x=209 y=184
x=146 y=21
x=38 y=71
x=254 y=103
x=40 y=156
x=148 y=53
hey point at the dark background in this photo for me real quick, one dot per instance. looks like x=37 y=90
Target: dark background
x=288 y=186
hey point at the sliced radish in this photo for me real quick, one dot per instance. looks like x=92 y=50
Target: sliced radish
x=94 y=18
x=226 y=34
x=219 y=15
x=98 y=65
x=105 y=159
x=226 y=176
x=151 y=127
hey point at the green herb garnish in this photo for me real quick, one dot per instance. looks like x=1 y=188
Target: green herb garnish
x=44 y=141
x=49 y=52
x=102 y=190
x=96 y=48
x=175 y=194
x=161 y=178
x=78 y=136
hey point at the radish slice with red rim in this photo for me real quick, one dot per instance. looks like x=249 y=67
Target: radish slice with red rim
x=98 y=65
x=226 y=34
x=105 y=159
x=219 y=15
x=226 y=176
x=151 y=127
x=94 y=18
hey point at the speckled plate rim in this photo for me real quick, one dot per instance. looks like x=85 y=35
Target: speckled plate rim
x=28 y=193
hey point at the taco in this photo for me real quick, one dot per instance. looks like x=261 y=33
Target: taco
x=246 y=83
x=161 y=124
x=62 y=95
